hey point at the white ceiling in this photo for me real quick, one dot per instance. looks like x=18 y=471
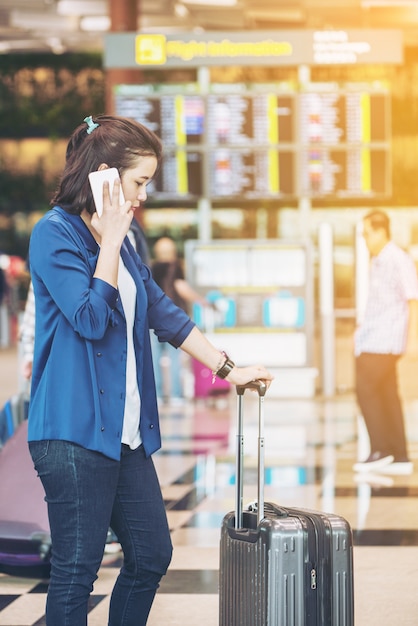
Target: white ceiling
x=76 y=25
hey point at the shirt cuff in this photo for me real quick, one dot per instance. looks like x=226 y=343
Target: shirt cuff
x=106 y=291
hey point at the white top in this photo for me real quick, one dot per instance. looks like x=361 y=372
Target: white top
x=127 y=292
x=393 y=282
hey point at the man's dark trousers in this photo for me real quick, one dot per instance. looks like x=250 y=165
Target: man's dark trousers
x=379 y=402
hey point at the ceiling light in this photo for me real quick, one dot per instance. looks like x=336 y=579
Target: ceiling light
x=180 y=10
x=277 y=14
x=56 y=45
x=42 y=21
x=212 y=3
x=389 y=3
x=77 y=7
x=21 y=44
x=99 y=23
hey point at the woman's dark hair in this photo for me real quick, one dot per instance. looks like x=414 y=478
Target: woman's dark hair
x=116 y=141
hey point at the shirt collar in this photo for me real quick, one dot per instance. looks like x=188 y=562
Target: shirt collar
x=80 y=227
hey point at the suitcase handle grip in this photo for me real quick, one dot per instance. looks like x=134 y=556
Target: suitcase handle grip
x=273 y=509
x=259 y=385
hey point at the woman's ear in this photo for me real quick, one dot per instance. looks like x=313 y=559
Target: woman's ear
x=103 y=166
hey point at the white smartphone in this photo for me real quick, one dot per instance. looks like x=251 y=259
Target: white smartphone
x=97 y=179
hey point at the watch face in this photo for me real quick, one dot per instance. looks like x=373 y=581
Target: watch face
x=226 y=368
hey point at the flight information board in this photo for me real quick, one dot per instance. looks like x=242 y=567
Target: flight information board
x=335 y=117
x=345 y=143
x=250 y=139
x=177 y=119
x=252 y=173
x=180 y=175
x=344 y=173
x=266 y=141
x=244 y=119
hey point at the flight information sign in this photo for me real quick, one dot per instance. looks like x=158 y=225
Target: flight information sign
x=266 y=141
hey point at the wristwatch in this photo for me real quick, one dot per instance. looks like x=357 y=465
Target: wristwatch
x=226 y=367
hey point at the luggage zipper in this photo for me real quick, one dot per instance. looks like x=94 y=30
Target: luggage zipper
x=312 y=602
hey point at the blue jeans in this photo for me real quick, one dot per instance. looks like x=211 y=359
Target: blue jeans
x=86 y=493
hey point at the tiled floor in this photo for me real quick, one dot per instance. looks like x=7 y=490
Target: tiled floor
x=310 y=448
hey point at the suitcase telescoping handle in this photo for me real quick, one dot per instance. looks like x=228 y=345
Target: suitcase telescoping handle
x=261 y=388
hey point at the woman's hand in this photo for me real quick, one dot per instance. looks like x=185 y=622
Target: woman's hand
x=114 y=223
x=199 y=347
x=109 y=230
x=243 y=375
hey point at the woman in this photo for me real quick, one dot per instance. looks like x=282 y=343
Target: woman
x=93 y=422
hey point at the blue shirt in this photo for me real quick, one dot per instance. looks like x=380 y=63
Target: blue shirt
x=79 y=367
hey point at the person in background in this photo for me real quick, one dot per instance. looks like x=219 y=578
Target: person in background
x=27 y=334
x=2 y=285
x=168 y=273
x=4 y=330
x=93 y=415
x=388 y=329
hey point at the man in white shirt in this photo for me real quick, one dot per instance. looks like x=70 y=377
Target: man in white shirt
x=390 y=325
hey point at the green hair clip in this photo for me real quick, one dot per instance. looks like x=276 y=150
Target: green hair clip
x=90 y=124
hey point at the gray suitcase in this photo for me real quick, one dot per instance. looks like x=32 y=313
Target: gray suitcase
x=282 y=566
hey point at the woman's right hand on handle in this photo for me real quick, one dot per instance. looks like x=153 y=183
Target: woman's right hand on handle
x=243 y=375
